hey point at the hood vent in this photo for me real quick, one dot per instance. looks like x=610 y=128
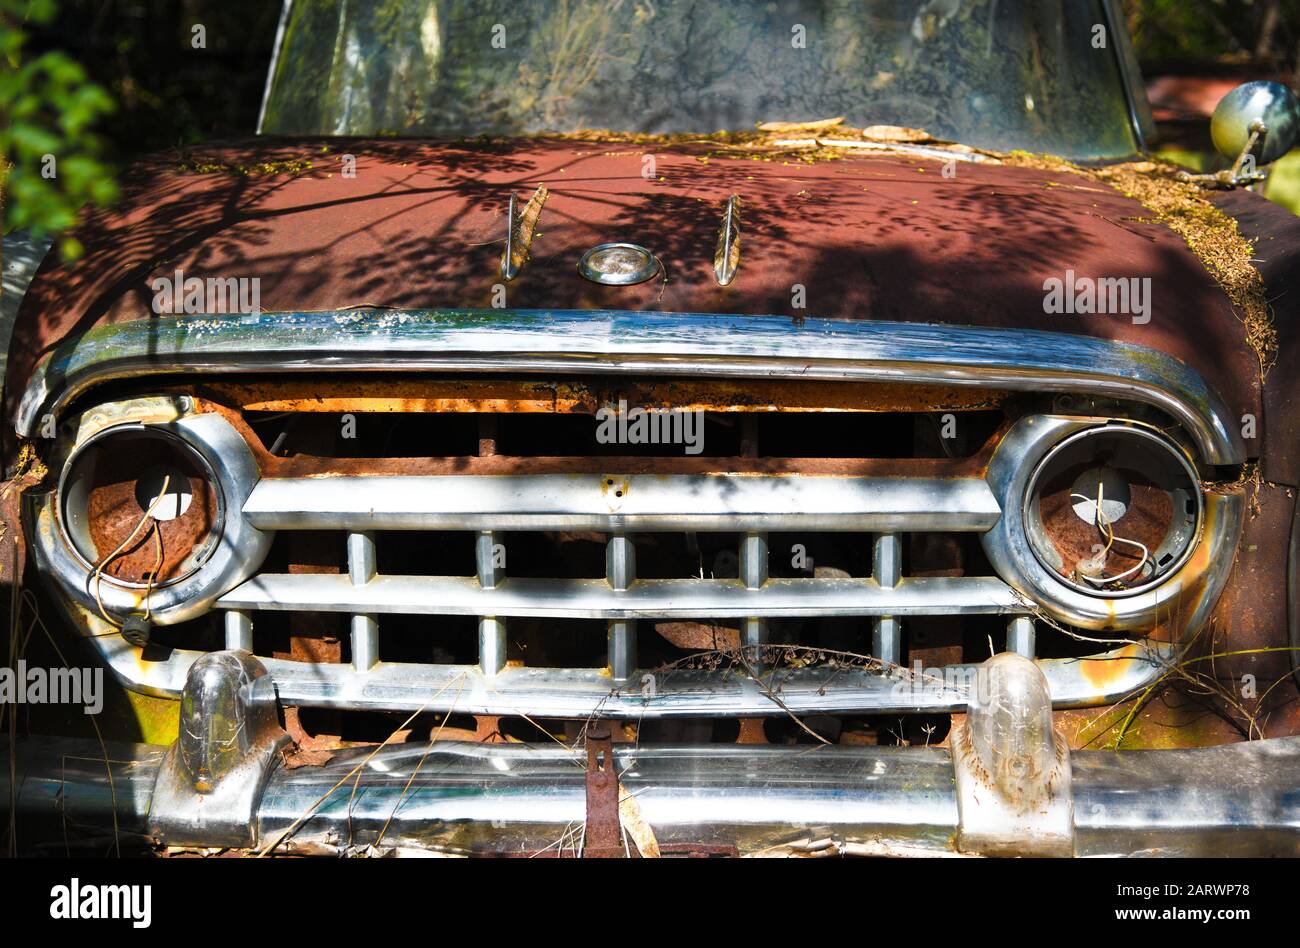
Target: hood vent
x=726 y=259
x=519 y=233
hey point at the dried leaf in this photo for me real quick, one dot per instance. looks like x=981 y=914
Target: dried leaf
x=629 y=814
x=898 y=133
x=699 y=635
x=298 y=756
x=816 y=126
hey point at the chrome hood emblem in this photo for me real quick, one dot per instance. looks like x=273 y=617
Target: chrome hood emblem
x=618 y=264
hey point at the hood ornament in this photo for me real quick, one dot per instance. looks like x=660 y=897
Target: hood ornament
x=520 y=231
x=726 y=259
x=618 y=264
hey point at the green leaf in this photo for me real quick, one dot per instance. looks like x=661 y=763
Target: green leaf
x=32 y=141
x=48 y=106
x=70 y=248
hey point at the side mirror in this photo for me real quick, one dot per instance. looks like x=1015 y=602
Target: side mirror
x=1257 y=118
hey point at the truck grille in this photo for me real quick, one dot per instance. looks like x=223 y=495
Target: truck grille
x=472 y=551
x=760 y=659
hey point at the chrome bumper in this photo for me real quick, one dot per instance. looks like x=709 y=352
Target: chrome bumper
x=1236 y=800
x=1011 y=788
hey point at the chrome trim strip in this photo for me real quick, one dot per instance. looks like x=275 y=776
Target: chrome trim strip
x=23 y=256
x=724 y=267
x=614 y=503
x=276 y=47
x=643 y=599
x=508 y=270
x=1135 y=93
x=582 y=692
x=1293 y=593
x=611 y=342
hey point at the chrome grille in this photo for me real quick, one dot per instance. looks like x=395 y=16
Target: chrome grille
x=621 y=508
x=1086 y=380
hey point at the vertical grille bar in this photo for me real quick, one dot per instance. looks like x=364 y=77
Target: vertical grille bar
x=239 y=630
x=1020 y=636
x=620 y=573
x=491 y=630
x=365 y=628
x=753 y=572
x=887 y=569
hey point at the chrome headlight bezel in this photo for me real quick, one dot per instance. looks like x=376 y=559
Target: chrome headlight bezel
x=1186 y=592
x=236 y=555
x=73 y=529
x=1152 y=438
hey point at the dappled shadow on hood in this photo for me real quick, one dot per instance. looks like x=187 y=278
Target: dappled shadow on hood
x=422 y=225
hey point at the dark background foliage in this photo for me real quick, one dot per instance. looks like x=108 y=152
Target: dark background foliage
x=1200 y=35
x=167 y=92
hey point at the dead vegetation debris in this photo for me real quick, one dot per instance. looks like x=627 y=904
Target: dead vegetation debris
x=1211 y=234
x=254 y=169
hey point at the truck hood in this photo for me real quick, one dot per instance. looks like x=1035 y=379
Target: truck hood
x=883 y=236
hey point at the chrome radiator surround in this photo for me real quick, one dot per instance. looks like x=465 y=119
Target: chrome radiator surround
x=746 y=504
x=758 y=686
x=629 y=343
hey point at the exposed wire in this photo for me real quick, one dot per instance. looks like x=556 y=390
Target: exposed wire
x=1103 y=524
x=99 y=567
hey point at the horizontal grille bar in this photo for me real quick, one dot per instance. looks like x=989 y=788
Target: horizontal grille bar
x=576 y=692
x=718 y=502
x=644 y=599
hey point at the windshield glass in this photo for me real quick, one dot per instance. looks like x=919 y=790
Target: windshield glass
x=1000 y=74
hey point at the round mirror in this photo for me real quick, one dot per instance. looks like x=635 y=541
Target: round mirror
x=1269 y=103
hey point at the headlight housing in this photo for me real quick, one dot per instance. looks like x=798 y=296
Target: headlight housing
x=112 y=474
x=1050 y=471
x=116 y=477
x=1113 y=510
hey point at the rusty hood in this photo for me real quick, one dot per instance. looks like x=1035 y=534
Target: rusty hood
x=422 y=225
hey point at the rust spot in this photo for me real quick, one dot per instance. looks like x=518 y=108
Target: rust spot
x=614 y=489
x=1147 y=520
x=115 y=509
x=699 y=635
x=1101 y=673
x=413 y=394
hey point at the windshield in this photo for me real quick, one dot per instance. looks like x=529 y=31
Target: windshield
x=1002 y=74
